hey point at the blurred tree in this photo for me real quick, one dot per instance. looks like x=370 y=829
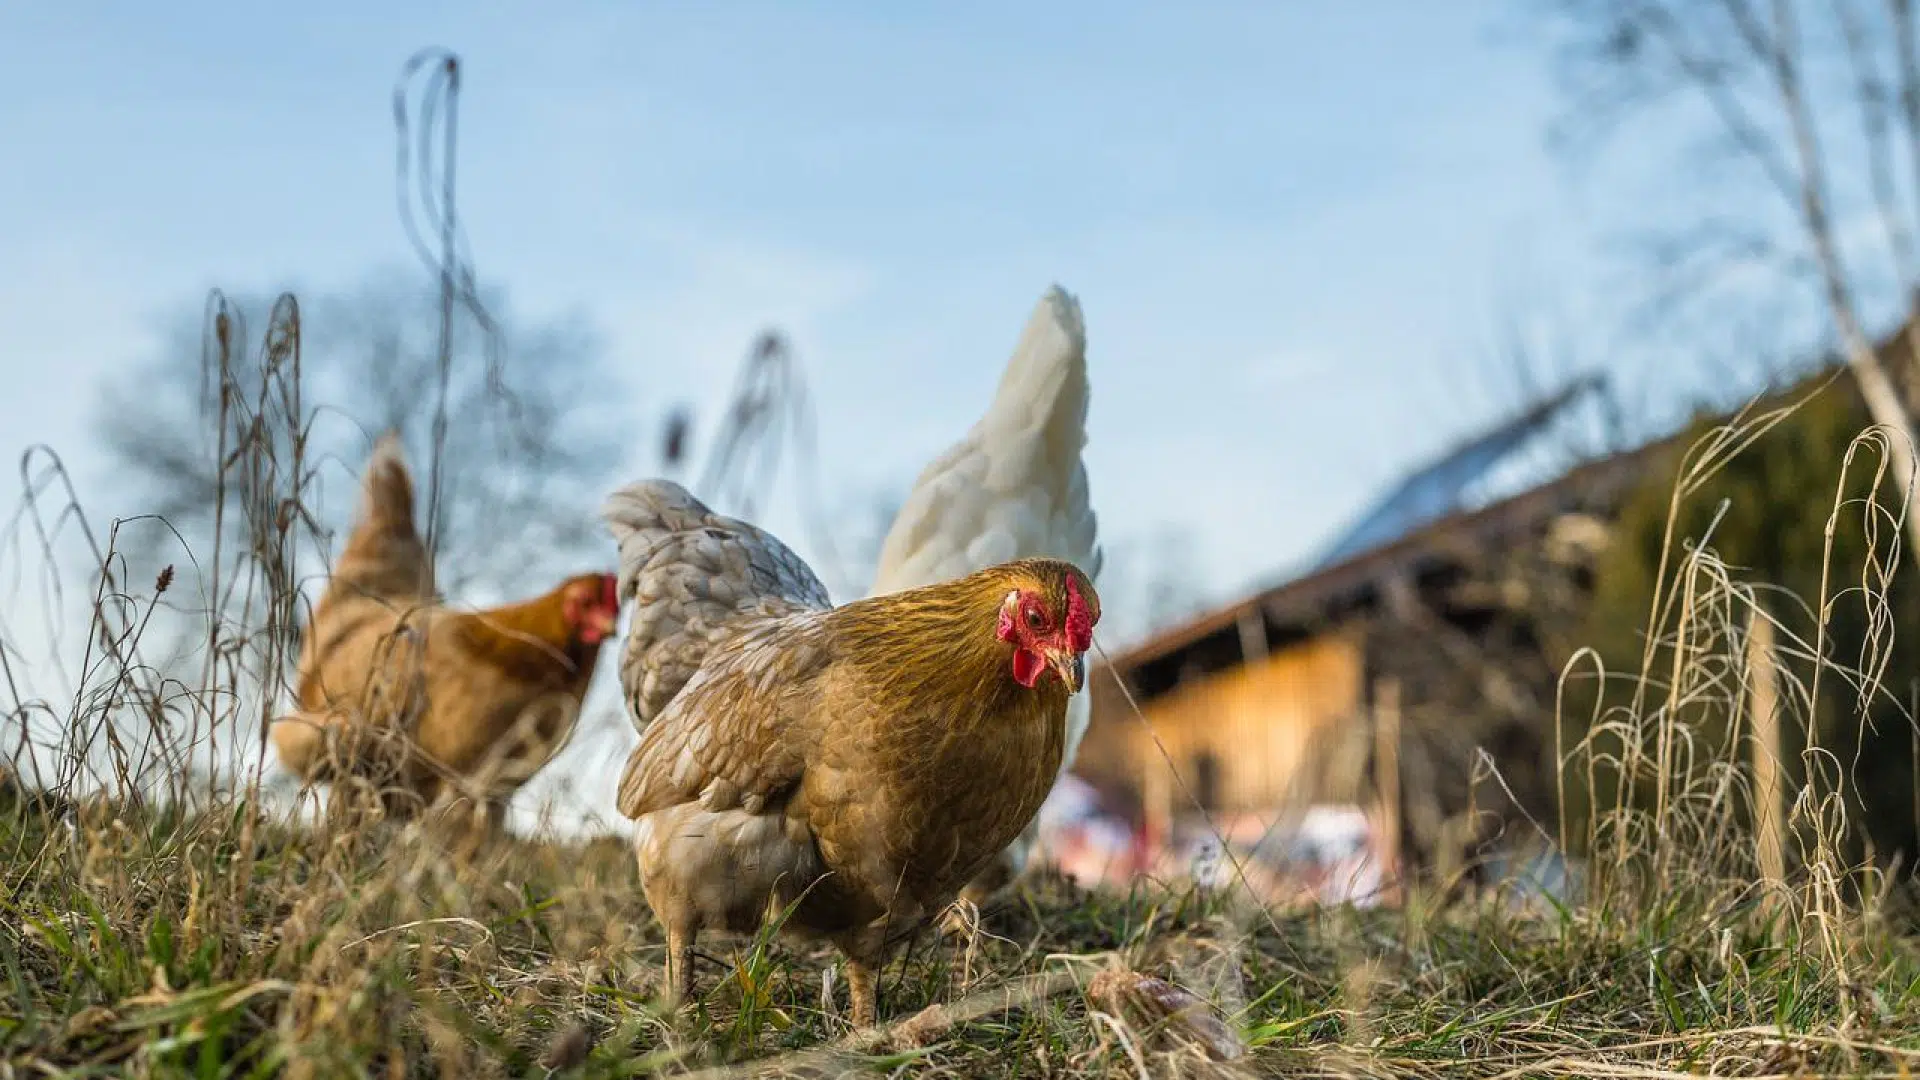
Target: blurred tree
x=869 y=521
x=1765 y=515
x=1804 y=211
x=1148 y=583
x=528 y=450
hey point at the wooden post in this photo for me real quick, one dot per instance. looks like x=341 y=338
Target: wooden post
x=1386 y=782
x=1156 y=802
x=1763 y=703
x=1253 y=635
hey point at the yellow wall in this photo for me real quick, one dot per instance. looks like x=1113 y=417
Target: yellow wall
x=1262 y=723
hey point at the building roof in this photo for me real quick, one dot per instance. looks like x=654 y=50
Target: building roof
x=1419 y=531
x=1457 y=480
x=1432 y=515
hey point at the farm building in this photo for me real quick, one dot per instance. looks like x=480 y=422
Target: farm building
x=1410 y=672
x=1421 y=618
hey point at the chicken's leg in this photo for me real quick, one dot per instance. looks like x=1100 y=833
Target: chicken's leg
x=861 y=991
x=464 y=822
x=679 y=988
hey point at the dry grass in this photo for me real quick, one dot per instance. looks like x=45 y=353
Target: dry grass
x=223 y=945
x=163 y=918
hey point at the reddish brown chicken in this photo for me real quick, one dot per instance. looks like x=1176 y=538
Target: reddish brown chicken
x=484 y=699
x=864 y=762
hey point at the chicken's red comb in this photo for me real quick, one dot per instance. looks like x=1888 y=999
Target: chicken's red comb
x=1079 y=619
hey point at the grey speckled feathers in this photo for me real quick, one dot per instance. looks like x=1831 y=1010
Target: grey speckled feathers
x=688 y=572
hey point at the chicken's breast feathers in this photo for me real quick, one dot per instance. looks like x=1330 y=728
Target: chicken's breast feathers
x=384 y=556
x=690 y=574
x=736 y=734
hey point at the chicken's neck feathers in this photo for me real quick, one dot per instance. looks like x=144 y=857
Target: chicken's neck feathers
x=936 y=643
x=530 y=639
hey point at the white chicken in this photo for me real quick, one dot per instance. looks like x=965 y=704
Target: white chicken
x=1014 y=488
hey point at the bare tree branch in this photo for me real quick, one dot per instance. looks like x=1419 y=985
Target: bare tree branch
x=1748 y=62
x=517 y=493
x=1883 y=400
x=1876 y=107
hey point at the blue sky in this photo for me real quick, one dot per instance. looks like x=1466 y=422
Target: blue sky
x=1294 y=227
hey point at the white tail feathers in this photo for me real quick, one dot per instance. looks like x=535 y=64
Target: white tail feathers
x=1015 y=487
x=1045 y=383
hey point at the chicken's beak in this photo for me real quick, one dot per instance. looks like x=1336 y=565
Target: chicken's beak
x=1072 y=669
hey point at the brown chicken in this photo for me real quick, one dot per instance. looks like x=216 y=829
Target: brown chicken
x=859 y=764
x=482 y=699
